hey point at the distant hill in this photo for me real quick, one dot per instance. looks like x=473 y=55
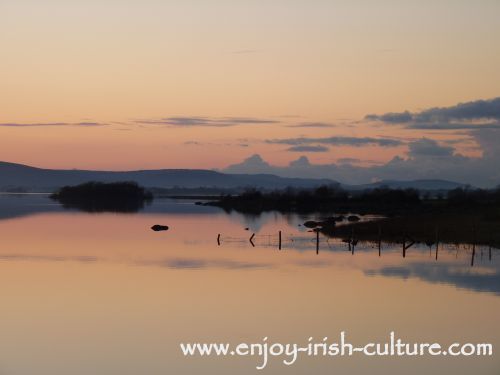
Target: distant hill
x=23 y=178
x=415 y=184
x=18 y=177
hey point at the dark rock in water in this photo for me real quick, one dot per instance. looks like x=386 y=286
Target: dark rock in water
x=353 y=218
x=158 y=227
x=311 y=224
x=247 y=228
x=198 y=203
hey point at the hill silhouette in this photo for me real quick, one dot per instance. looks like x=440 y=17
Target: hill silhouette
x=17 y=176
x=23 y=178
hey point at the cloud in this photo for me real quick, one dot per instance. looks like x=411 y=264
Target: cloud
x=425 y=159
x=312 y=125
x=429 y=147
x=476 y=110
x=339 y=141
x=228 y=144
x=252 y=163
x=207 y=121
x=348 y=161
x=88 y=124
x=392 y=118
x=301 y=162
x=454 y=126
x=488 y=140
x=43 y=124
x=307 y=148
x=463 y=116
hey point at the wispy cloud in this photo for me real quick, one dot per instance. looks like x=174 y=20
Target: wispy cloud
x=392 y=117
x=312 y=125
x=454 y=126
x=339 y=141
x=226 y=144
x=479 y=114
x=43 y=124
x=207 y=121
x=308 y=148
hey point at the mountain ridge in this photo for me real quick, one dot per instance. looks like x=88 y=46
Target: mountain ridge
x=21 y=177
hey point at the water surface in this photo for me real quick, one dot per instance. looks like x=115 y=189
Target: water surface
x=103 y=294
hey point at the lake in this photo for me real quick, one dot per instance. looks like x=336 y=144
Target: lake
x=103 y=294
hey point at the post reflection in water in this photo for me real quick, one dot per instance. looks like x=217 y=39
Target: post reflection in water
x=103 y=294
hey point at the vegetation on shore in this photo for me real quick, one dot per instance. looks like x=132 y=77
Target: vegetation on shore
x=99 y=196
x=377 y=201
x=322 y=199
x=462 y=216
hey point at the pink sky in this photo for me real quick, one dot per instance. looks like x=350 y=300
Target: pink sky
x=102 y=85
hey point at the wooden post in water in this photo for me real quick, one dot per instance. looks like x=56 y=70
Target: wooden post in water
x=490 y=252
x=352 y=240
x=379 y=240
x=317 y=240
x=437 y=242
x=404 y=245
x=279 y=240
x=473 y=244
x=218 y=239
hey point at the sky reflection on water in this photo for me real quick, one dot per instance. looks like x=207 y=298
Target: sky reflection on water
x=113 y=297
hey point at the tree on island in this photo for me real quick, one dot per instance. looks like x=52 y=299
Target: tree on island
x=95 y=196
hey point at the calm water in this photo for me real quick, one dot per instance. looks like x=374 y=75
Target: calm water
x=103 y=294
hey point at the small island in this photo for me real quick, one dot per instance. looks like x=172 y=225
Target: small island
x=104 y=197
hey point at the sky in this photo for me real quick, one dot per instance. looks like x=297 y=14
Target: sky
x=355 y=91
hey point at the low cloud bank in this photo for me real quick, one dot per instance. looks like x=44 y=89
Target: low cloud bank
x=426 y=159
